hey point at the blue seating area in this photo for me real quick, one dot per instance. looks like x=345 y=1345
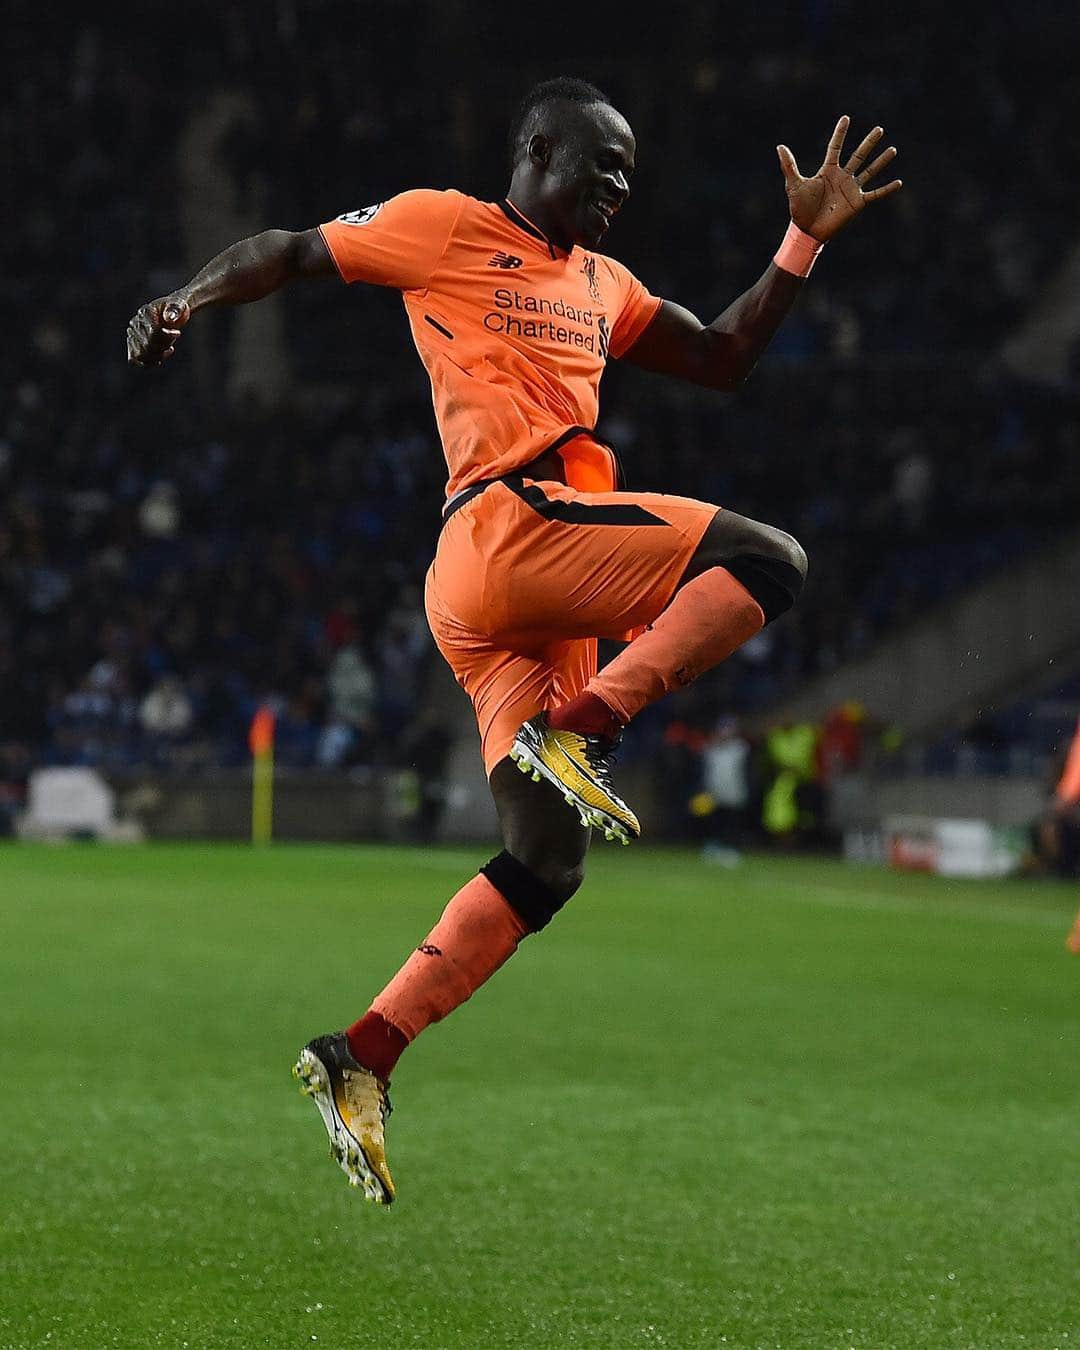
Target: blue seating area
x=172 y=555
x=1028 y=737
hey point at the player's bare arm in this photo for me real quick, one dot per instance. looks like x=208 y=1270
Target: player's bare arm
x=722 y=354
x=248 y=270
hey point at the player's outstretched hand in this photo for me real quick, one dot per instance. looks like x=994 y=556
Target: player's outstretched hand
x=824 y=204
x=153 y=331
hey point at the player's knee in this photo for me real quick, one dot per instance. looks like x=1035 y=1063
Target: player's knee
x=773 y=569
x=565 y=881
x=793 y=553
x=562 y=879
x=535 y=891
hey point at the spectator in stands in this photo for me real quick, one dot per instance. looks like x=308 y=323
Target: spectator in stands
x=353 y=698
x=166 y=710
x=426 y=748
x=841 y=744
x=401 y=648
x=724 y=801
x=15 y=765
x=792 y=805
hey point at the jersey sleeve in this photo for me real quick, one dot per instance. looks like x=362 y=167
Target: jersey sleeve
x=636 y=309
x=394 y=243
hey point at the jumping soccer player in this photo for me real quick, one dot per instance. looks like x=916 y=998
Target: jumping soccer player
x=514 y=314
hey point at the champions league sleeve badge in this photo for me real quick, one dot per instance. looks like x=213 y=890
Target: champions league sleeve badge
x=363 y=216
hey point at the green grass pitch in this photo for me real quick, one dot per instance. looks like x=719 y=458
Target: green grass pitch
x=794 y=1105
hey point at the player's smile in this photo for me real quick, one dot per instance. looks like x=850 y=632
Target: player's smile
x=590 y=177
x=602 y=197
x=608 y=158
x=601 y=211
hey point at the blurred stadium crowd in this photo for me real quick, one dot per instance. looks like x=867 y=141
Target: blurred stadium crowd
x=255 y=521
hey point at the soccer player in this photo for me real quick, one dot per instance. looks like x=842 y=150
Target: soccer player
x=515 y=311
x=1063 y=826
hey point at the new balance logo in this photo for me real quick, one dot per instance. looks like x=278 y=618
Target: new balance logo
x=506 y=260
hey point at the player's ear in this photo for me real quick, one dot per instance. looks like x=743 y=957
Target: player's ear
x=540 y=150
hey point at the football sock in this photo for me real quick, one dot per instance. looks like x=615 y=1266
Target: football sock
x=1072 y=942
x=709 y=618
x=376 y=1044
x=477 y=933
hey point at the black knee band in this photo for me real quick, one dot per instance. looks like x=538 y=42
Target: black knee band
x=529 y=897
x=774 y=584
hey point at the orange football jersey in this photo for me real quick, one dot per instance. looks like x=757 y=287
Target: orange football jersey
x=514 y=331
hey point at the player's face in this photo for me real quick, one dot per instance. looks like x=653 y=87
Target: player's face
x=589 y=175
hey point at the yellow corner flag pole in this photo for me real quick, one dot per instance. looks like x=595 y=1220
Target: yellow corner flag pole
x=261 y=741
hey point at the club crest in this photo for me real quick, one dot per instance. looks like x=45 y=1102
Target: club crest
x=589 y=268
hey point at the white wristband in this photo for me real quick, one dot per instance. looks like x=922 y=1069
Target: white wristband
x=798 y=251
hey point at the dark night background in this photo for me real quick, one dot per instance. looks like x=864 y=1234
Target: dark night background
x=255 y=520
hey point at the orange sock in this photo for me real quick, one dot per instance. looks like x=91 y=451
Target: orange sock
x=478 y=931
x=709 y=618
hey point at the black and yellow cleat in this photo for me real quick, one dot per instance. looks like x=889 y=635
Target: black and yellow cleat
x=354 y=1105
x=580 y=767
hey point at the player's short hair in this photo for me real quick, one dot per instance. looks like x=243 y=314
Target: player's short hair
x=531 y=110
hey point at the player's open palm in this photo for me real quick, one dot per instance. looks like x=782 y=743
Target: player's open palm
x=153 y=331
x=824 y=204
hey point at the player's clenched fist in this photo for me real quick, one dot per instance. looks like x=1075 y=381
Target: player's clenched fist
x=153 y=331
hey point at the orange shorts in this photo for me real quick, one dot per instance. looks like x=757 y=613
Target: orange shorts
x=526 y=579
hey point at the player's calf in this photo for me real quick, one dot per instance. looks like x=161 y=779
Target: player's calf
x=541 y=835
x=742 y=576
x=709 y=618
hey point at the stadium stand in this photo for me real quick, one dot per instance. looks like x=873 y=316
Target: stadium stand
x=176 y=548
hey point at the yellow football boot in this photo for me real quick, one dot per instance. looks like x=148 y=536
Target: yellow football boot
x=580 y=767
x=354 y=1105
